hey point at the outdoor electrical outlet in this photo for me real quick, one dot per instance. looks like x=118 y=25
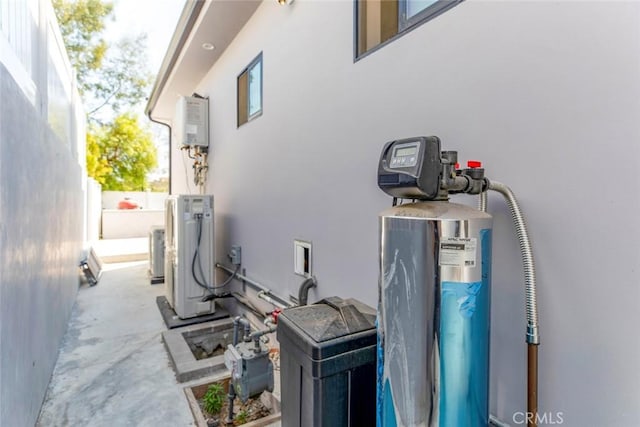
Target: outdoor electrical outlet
x=235 y=255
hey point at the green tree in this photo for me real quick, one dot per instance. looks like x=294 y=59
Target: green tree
x=122 y=153
x=123 y=80
x=112 y=79
x=81 y=24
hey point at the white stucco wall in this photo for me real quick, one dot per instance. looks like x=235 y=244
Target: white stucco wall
x=42 y=204
x=144 y=199
x=130 y=223
x=546 y=94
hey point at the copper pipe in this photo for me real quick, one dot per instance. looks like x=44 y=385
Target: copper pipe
x=532 y=385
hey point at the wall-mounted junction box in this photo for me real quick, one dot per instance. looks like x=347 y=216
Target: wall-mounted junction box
x=235 y=255
x=302 y=258
x=191 y=125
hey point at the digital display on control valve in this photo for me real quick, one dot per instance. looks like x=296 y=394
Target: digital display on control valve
x=411 y=168
x=408 y=151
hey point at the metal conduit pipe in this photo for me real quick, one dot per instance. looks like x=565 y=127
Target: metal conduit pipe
x=303 y=291
x=282 y=303
x=265 y=296
x=532 y=335
x=237 y=321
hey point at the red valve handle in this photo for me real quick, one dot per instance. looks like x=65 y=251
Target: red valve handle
x=473 y=164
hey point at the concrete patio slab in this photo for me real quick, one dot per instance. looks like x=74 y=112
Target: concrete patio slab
x=186 y=365
x=122 y=250
x=112 y=369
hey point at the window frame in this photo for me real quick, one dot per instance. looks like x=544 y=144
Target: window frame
x=404 y=25
x=244 y=75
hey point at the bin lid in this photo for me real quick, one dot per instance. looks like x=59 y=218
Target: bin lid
x=332 y=318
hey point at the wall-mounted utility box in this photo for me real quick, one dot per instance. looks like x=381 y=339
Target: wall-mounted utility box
x=191 y=125
x=302 y=258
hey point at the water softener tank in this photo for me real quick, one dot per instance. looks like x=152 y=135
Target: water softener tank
x=434 y=299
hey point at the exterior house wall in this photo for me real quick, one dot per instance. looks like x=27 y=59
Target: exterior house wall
x=546 y=94
x=41 y=204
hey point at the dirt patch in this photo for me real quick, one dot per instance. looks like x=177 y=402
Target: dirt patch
x=200 y=352
x=251 y=410
x=205 y=344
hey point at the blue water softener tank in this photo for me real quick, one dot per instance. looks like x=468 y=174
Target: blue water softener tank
x=434 y=300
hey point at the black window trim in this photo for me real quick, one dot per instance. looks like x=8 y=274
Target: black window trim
x=404 y=25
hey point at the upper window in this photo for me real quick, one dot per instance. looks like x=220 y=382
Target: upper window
x=250 y=91
x=379 y=21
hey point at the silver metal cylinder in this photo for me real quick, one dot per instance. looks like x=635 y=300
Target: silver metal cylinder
x=433 y=316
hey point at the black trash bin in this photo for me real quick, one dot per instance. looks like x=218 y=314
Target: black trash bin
x=327 y=364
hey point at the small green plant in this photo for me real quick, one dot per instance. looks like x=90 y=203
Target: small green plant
x=241 y=417
x=214 y=398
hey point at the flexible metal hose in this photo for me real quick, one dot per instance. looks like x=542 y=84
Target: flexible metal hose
x=533 y=338
x=482 y=202
x=527 y=260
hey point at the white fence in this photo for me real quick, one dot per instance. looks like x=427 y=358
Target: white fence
x=144 y=199
x=130 y=223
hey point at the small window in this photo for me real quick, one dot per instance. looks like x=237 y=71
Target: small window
x=250 y=91
x=380 y=21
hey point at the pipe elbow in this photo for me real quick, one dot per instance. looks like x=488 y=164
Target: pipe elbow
x=303 y=292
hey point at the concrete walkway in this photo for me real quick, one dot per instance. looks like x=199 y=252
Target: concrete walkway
x=122 y=250
x=113 y=369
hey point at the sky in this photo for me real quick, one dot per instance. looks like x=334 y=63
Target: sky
x=158 y=19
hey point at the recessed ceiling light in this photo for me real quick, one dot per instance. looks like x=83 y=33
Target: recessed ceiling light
x=208 y=46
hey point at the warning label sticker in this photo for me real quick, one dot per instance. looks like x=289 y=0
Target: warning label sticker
x=458 y=251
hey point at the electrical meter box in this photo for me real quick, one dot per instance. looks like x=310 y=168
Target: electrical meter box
x=328 y=364
x=250 y=367
x=191 y=125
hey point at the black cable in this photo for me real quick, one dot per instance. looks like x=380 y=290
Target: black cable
x=211 y=297
x=199 y=257
x=229 y=279
x=196 y=256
